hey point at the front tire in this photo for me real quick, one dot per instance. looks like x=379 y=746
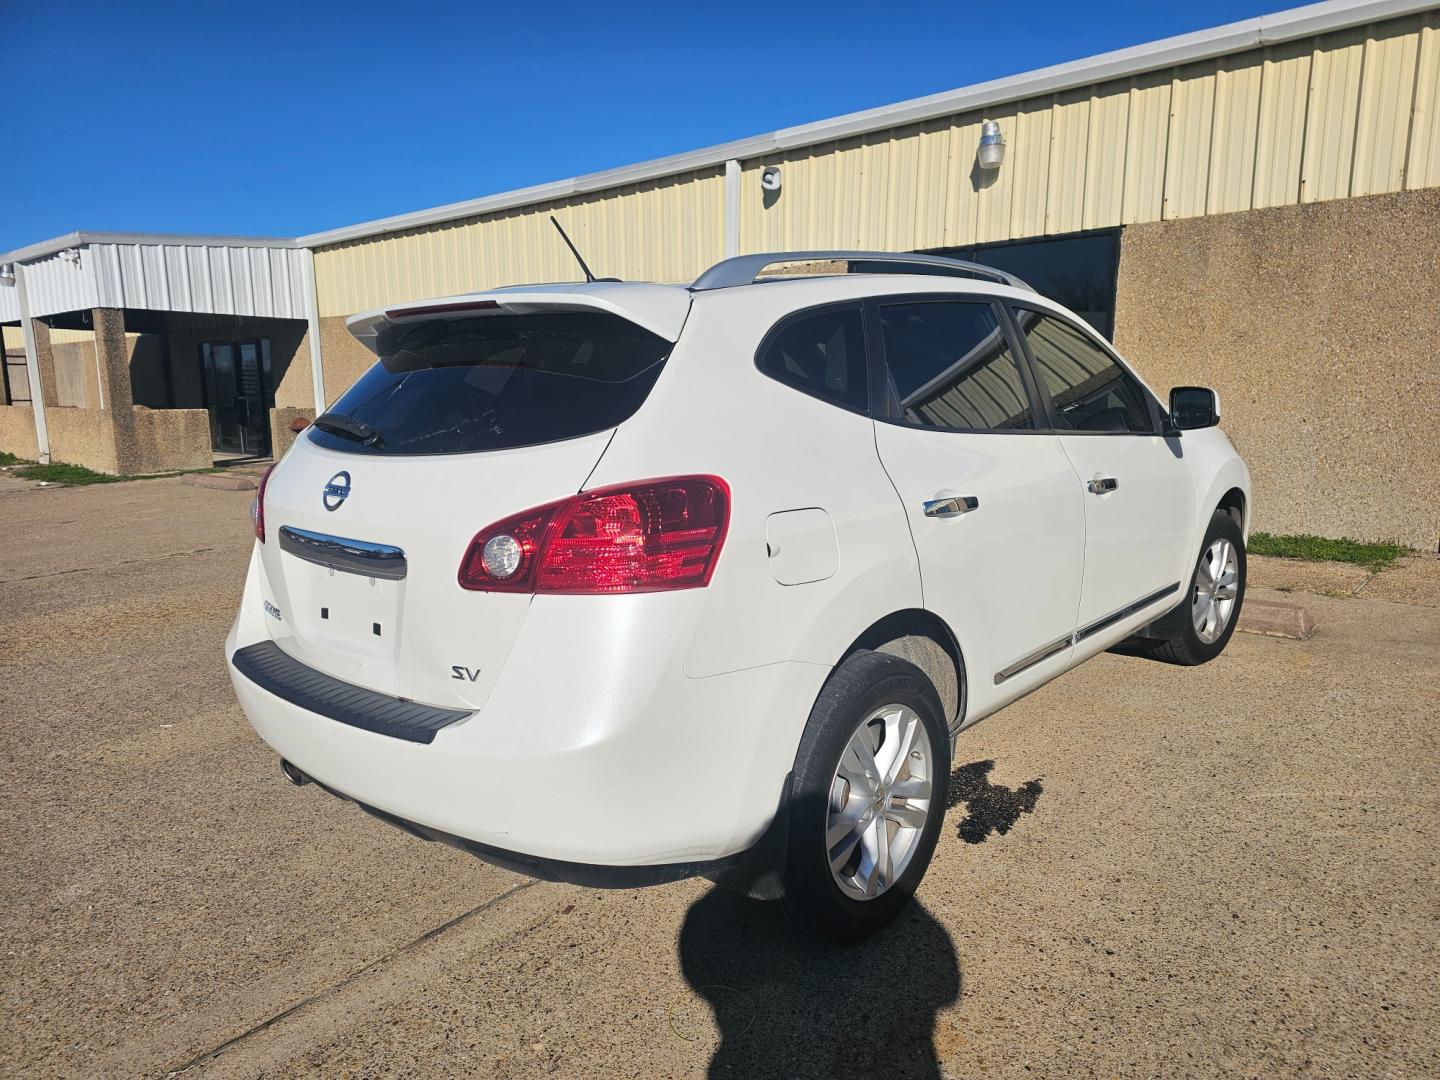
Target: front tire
x=1199 y=629
x=867 y=797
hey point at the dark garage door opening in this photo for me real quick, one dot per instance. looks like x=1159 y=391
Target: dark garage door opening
x=1078 y=271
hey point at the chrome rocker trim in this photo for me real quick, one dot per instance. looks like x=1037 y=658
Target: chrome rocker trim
x=1051 y=648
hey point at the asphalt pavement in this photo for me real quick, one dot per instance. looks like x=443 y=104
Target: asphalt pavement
x=1148 y=870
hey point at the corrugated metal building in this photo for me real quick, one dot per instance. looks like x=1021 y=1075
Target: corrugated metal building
x=1279 y=111
x=1255 y=206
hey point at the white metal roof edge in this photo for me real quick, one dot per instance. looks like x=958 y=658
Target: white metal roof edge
x=79 y=239
x=1234 y=37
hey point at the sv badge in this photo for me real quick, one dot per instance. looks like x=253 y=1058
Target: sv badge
x=463 y=673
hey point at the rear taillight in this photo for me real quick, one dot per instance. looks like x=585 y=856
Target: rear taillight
x=643 y=537
x=257 y=506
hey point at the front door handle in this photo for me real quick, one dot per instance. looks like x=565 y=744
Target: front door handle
x=1101 y=484
x=951 y=506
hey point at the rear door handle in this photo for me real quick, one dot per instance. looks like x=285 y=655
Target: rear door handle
x=951 y=506
x=1101 y=484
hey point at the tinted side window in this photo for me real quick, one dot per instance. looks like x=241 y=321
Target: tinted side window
x=1090 y=391
x=822 y=354
x=950 y=366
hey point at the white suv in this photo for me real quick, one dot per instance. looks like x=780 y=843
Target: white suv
x=618 y=583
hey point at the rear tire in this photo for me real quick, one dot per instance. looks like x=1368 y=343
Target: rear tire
x=1199 y=629
x=867 y=797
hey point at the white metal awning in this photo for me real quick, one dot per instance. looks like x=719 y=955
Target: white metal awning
x=200 y=274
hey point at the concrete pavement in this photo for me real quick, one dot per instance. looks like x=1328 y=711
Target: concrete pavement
x=1149 y=870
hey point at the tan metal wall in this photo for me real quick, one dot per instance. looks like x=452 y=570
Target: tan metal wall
x=664 y=230
x=15 y=340
x=1348 y=114
x=1351 y=113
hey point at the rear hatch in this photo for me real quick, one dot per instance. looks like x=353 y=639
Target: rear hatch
x=473 y=413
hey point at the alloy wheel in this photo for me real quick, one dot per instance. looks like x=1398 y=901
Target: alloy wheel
x=879 y=802
x=1216 y=588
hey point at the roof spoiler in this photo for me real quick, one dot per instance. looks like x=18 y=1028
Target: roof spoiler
x=660 y=309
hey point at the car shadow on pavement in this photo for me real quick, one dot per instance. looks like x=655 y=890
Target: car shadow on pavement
x=791 y=1005
x=991 y=808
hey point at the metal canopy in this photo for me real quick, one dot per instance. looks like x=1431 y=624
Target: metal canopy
x=191 y=274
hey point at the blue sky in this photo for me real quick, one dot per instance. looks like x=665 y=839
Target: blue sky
x=275 y=119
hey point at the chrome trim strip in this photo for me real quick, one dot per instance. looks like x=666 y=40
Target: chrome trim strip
x=1129 y=609
x=338 y=553
x=1047 y=651
x=1031 y=659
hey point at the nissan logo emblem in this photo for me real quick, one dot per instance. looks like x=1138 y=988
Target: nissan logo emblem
x=337 y=490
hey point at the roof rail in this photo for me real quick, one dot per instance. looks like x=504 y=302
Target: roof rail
x=745 y=269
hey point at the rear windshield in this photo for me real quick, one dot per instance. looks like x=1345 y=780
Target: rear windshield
x=454 y=386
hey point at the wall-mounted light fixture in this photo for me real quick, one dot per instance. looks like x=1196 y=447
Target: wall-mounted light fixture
x=770 y=178
x=71 y=256
x=992 y=145
x=7 y=275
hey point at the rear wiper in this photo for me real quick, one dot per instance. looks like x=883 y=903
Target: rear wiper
x=351 y=427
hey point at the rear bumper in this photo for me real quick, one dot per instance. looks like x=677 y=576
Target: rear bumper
x=593 y=749
x=268 y=666
x=755 y=864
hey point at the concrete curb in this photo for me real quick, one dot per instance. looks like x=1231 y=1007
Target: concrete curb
x=1275 y=618
x=221 y=481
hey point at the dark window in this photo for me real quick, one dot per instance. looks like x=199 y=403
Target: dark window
x=1076 y=271
x=822 y=354
x=1089 y=390
x=15 y=378
x=950 y=366
x=454 y=386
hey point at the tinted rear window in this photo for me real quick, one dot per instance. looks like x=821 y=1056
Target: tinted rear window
x=821 y=354
x=454 y=386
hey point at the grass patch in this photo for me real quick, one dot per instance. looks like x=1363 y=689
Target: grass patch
x=77 y=475
x=71 y=475
x=7 y=458
x=1315 y=548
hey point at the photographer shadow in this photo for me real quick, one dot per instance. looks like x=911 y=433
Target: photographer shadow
x=790 y=1005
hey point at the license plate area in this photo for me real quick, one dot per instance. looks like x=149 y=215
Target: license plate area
x=348 y=611
x=347 y=624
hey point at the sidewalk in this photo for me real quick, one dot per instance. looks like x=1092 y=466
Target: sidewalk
x=1413 y=580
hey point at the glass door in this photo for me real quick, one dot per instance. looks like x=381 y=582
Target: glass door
x=236 y=378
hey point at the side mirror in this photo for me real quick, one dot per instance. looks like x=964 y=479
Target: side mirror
x=1194 y=407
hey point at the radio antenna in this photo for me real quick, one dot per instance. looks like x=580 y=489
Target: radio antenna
x=589 y=277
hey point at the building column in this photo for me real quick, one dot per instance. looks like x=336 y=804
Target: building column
x=312 y=332
x=732 y=208
x=35 y=331
x=49 y=392
x=112 y=360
